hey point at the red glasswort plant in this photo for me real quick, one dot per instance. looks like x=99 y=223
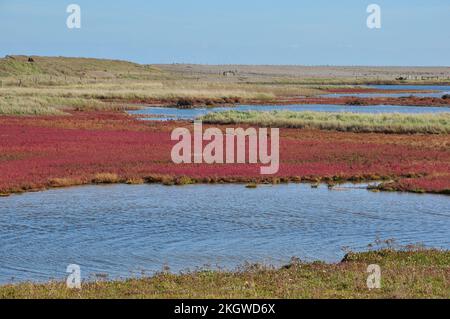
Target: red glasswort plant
x=41 y=152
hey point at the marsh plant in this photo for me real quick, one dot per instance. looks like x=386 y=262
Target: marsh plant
x=229 y=149
x=350 y=122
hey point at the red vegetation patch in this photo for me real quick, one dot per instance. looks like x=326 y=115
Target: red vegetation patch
x=41 y=152
x=372 y=90
x=350 y=100
x=290 y=100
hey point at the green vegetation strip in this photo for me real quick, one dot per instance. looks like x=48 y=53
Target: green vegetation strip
x=404 y=274
x=350 y=122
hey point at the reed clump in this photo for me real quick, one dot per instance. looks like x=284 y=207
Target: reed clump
x=106 y=178
x=349 y=122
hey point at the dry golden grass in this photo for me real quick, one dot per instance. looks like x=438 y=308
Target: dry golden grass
x=351 y=122
x=52 y=85
x=64 y=182
x=135 y=181
x=106 y=178
x=40 y=104
x=54 y=99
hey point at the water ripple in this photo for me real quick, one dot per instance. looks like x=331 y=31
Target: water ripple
x=125 y=230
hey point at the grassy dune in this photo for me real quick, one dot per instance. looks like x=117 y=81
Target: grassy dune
x=107 y=95
x=404 y=274
x=50 y=85
x=58 y=68
x=351 y=122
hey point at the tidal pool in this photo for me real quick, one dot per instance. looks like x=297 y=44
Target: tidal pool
x=127 y=231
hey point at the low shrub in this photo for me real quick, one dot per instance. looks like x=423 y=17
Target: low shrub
x=106 y=178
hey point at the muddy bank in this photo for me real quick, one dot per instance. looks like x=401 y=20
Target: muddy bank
x=173 y=180
x=383 y=185
x=362 y=90
x=402 y=101
x=201 y=102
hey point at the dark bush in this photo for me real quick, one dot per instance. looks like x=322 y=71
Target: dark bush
x=185 y=103
x=355 y=102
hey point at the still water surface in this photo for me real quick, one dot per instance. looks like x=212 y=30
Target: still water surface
x=438 y=91
x=123 y=230
x=168 y=113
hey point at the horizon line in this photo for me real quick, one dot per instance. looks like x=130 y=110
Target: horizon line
x=236 y=64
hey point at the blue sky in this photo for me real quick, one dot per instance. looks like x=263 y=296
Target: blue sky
x=315 y=32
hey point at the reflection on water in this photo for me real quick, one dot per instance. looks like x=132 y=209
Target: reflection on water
x=122 y=230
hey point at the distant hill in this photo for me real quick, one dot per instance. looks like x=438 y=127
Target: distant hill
x=19 y=65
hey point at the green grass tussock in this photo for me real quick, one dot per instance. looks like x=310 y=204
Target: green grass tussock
x=350 y=122
x=12 y=105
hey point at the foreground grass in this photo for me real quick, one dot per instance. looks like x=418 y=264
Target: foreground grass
x=350 y=122
x=404 y=274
